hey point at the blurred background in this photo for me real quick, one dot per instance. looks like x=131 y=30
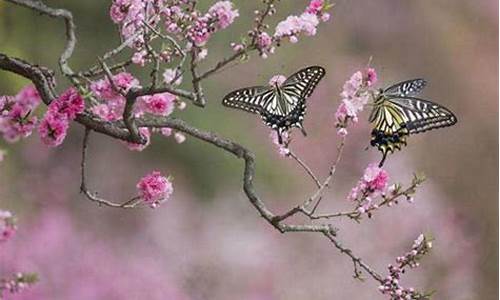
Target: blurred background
x=208 y=242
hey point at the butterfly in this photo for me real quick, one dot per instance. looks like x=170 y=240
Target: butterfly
x=281 y=106
x=397 y=113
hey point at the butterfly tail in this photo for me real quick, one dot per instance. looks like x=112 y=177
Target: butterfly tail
x=384 y=156
x=280 y=139
x=302 y=129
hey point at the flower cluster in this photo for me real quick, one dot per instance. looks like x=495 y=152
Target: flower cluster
x=111 y=94
x=306 y=23
x=16 y=114
x=154 y=189
x=130 y=15
x=55 y=123
x=372 y=184
x=15 y=285
x=7 y=225
x=218 y=17
x=139 y=20
x=355 y=95
x=391 y=285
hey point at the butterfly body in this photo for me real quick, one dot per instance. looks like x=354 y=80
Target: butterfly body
x=281 y=106
x=397 y=113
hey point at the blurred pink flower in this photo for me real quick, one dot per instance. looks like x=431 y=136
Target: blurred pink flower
x=315 y=6
x=16 y=114
x=123 y=81
x=7 y=225
x=264 y=40
x=200 y=32
x=28 y=97
x=179 y=137
x=354 y=98
x=277 y=80
x=139 y=58
x=223 y=13
x=165 y=131
x=376 y=178
x=371 y=77
x=154 y=189
x=159 y=104
x=306 y=23
x=169 y=75
x=373 y=183
x=53 y=129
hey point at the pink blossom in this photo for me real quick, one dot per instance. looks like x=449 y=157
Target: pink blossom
x=224 y=13
x=7 y=225
x=376 y=178
x=181 y=105
x=265 y=44
x=264 y=40
x=306 y=23
x=17 y=123
x=70 y=104
x=104 y=112
x=28 y=97
x=282 y=149
x=53 y=129
x=315 y=6
x=145 y=133
x=179 y=137
x=371 y=76
x=165 y=131
x=237 y=47
x=373 y=183
x=154 y=189
x=200 y=32
x=139 y=58
x=123 y=81
x=171 y=77
x=325 y=17
x=309 y=23
x=277 y=80
x=202 y=54
x=159 y=104
x=16 y=114
x=354 y=98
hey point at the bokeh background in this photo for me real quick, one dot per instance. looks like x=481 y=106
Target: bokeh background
x=208 y=242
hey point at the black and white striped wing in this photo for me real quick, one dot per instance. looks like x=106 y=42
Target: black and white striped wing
x=422 y=115
x=407 y=88
x=249 y=99
x=302 y=83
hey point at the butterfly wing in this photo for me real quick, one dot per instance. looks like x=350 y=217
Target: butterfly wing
x=406 y=88
x=389 y=132
x=302 y=83
x=248 y=99
x=280 y=107
x=422 y=115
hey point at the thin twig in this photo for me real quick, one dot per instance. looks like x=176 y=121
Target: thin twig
x=83 y=185
x=305 y=167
